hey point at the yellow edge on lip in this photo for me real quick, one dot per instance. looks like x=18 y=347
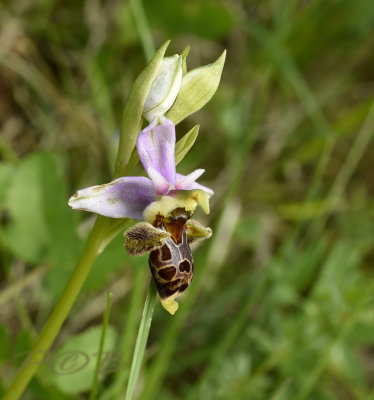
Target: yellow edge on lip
x=187 y=199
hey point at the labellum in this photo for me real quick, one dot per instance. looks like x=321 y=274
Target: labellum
x=168 y=241
x=172 y=264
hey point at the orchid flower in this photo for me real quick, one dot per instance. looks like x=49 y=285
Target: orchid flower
x=165 y=201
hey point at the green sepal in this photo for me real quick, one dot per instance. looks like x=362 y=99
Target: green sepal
x=198 y=87
x=196 y=231
x=184 y=55
x=183 y=145
x=133 y=113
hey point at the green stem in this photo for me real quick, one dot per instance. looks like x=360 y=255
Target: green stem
x=59 y=314
x=141 y=340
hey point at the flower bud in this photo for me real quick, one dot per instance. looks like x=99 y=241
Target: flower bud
x=198 y=87
x=133 y=112
x=164 y=88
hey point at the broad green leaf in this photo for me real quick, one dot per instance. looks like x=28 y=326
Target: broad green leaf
x=27 y=234
x=71 y=368
x=6 y=172
x=42 y=227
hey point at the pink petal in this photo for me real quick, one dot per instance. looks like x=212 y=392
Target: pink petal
x=188 y=182
x=156 y=146
x=185 y=181
x=122 y=198
x=160 y=183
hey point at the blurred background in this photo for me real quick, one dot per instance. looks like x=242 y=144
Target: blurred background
x=281 y=306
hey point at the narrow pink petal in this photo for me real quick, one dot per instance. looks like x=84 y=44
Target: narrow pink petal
x=191 y=185
x=160 y=183
x=122 y=198
x=156 y=146
x=184 y=181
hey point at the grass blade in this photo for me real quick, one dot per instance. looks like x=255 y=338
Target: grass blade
x=141 y=340
x=95 y=385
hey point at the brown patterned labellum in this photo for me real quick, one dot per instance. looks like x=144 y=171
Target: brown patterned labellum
x=168 y=241
x=172 y=264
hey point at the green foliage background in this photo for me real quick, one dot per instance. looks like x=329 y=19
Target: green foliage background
x=281 y=306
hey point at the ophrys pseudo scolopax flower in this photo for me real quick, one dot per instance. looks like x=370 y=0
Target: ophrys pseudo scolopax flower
x=164 y=202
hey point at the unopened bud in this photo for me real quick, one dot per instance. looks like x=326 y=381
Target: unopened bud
x=164 y=88
x=198 y=87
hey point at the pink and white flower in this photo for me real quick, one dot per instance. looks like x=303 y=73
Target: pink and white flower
x=128 y=197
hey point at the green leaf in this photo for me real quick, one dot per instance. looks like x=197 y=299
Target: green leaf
x=6 y=171
x=198 y=87
x=42 y=227
x=71 y=369
x=27 y=234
